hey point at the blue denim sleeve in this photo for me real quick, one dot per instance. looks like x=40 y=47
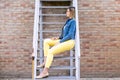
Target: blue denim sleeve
x=71 y=32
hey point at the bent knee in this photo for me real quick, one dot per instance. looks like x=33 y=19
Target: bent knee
x=46 y=40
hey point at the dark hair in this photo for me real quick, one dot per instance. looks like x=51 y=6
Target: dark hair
x=72 y=11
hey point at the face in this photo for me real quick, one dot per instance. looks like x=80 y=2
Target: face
x=68 y=13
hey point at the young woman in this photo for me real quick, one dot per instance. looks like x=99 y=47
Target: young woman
x=65 y=42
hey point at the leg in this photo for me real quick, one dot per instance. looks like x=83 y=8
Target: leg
x=47 y=43
x=55 y=50
x=58 y=49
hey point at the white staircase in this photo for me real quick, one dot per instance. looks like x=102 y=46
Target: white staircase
x=54 y=9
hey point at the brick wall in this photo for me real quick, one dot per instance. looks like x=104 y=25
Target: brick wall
x=16 y=31
x=99 y=32
x=100 y=38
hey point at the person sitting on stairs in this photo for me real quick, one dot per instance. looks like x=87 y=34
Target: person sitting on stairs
x=65 y=42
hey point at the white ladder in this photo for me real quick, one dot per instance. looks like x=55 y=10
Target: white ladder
x=38 y=40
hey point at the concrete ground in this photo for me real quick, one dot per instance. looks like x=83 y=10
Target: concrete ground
x=80 y=79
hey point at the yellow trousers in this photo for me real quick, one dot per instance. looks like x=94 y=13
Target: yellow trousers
x=55 y=49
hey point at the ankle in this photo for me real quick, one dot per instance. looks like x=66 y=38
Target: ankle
x=44 y=59
x=45 y=70
x=43 y=63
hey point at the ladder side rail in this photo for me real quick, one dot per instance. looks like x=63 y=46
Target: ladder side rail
x=41 y=35
x=71 y=62
x=35 y=34
x=77 y=41
x=71 y=54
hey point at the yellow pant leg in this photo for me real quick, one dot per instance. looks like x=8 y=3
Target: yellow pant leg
x=67 y=45
x=47 y=44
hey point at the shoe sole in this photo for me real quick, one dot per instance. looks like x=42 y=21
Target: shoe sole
x=43 y=77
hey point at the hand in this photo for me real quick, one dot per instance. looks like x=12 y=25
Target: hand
x=54 y=38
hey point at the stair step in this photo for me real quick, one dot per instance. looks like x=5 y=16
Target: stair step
x=53 y=15
x=55 y=0
x=40 y=40
x=54 y=7
x=59 y=57
x=42 y=48
x=51 y=31
x=59 y=78
x=60 y=67
x=53 y=22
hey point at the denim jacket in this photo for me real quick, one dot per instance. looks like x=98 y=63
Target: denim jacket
x=68 y=30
